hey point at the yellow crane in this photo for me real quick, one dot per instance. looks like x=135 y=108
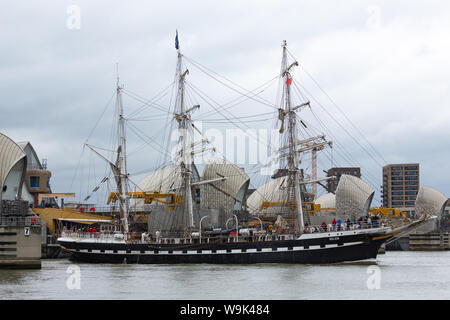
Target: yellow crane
x=309 y=207
x=170 y=199
x=388 y=212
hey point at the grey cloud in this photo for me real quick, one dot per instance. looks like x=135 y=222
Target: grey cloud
x=390 y=78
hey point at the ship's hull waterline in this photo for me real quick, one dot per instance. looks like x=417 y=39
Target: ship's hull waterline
x=317 y=249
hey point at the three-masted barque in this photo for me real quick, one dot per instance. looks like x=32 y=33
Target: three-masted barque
x=187 y=242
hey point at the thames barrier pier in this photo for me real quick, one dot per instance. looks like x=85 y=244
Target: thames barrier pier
x=20 y=228
x=20 y=247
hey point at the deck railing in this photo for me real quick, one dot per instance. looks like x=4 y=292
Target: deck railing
x=138 y=238
x=344 y=226
x=100 y=236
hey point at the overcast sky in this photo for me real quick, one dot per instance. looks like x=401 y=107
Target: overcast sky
x=385 y=64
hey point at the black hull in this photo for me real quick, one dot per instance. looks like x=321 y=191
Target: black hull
x=319 y=250
x=335 y=255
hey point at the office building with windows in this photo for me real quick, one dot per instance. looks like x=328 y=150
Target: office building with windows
x=400 y=185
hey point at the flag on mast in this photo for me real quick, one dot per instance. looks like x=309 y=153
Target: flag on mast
x=176 y=42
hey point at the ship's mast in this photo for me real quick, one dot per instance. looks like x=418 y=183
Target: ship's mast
x=294 y=193
x=119 y=168
x=183 y=118
x=122 y=163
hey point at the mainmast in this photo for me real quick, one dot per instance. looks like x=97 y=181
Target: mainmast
x=294 y=194
x=122 y=182
x=183 y=118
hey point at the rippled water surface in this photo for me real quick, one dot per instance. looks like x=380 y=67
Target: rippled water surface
x=394 y=275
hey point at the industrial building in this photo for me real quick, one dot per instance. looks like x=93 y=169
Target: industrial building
x=337 y=172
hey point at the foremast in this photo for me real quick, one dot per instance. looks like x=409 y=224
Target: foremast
x=119 y=168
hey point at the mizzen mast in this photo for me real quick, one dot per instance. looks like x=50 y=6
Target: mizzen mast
x=288 y=114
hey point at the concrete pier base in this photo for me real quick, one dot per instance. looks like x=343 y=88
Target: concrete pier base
x=430 y=241
x=20 y=247
x=20 y=264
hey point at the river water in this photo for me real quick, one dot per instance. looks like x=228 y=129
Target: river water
x=393 y=276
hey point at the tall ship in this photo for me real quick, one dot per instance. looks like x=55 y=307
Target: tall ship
x=210 y=218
